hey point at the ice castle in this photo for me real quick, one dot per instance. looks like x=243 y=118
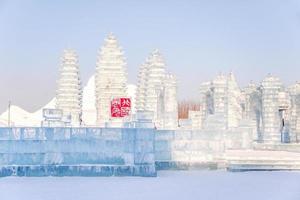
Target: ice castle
x=252 y=128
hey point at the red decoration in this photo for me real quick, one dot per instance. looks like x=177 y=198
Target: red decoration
x=120 y=107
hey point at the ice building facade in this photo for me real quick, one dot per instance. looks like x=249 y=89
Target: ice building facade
x=110 y=80
x=69 y=89
x=157 y=92
x=269 y=108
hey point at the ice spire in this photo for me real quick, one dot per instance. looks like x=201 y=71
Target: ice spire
x=110 y=78
x=69 y=90
x=156 y=89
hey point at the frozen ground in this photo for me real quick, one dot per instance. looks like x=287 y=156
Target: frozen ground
x=183 y=185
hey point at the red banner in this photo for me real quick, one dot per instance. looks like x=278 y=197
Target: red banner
x=120 y=107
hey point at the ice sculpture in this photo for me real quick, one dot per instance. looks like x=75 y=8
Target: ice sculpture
x=69 y=90
x=221 y=103
x=269 y=109
x=157 y=92
x=110 y=80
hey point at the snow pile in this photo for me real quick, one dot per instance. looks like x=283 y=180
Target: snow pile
x=21 y=117
x=18 y=115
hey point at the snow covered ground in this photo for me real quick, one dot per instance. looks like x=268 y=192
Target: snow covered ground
x=183 y=185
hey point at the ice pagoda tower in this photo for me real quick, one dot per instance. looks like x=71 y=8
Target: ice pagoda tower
x=69 y=90
x=110 y=80
x=157 y=92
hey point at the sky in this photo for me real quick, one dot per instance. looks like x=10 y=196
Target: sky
x=198 y=39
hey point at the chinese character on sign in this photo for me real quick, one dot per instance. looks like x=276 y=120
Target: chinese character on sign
x=120 y=107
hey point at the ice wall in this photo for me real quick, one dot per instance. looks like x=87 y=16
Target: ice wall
x=114 y=151
x=198 y=148
x=76 y=151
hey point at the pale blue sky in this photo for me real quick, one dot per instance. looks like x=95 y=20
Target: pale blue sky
x=198 y=39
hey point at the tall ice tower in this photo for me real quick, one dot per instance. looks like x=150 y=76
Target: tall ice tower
x=157 y=92
x=110 y=79
x=69 y=90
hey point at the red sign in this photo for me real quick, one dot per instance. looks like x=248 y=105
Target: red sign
x=120 y=107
